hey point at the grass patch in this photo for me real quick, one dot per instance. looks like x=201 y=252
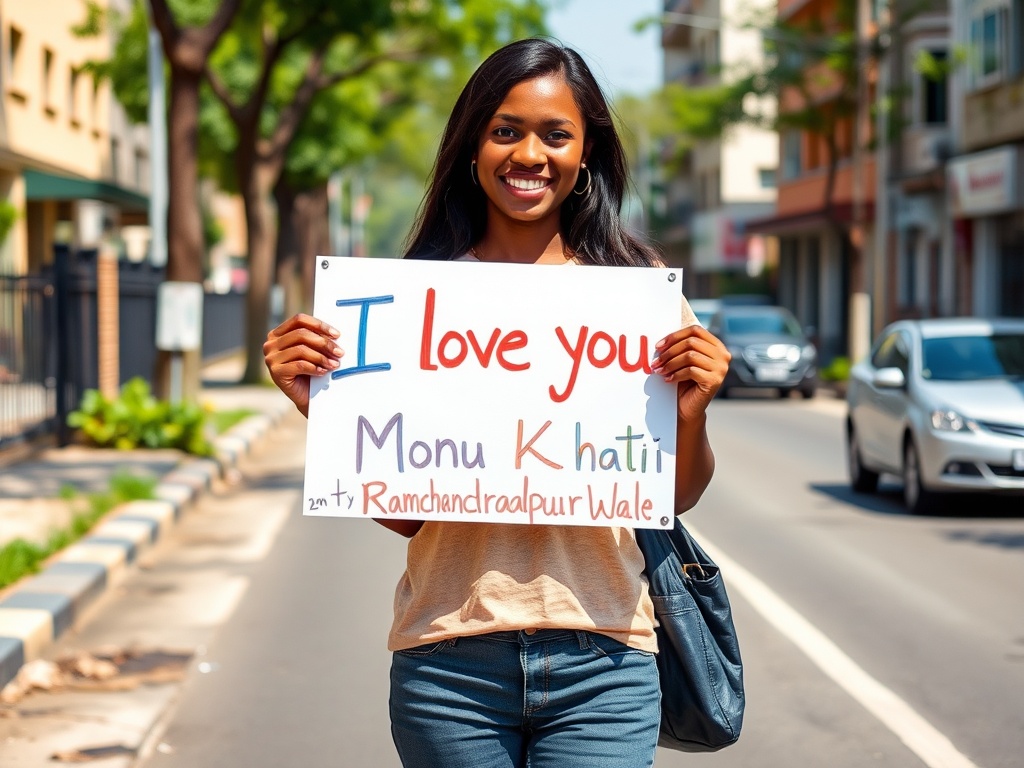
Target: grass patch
x=222 y=421
x=20 y=557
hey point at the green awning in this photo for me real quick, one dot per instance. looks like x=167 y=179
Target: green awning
x=49 y=186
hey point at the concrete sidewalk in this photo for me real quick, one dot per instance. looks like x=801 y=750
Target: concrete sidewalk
x=38 y=609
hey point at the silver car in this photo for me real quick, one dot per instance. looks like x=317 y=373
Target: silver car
x=941 y=403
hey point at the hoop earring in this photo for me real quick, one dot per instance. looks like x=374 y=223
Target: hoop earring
x=590 y=178
x=472 y=173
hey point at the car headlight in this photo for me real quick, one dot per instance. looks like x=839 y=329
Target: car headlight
x=951 y=421
x=808 y=352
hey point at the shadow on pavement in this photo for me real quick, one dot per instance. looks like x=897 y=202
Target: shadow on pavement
x=888 y=500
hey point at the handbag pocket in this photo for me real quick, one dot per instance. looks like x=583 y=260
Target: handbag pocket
x=698 y=654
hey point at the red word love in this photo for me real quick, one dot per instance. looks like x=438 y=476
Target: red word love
x=454 y=347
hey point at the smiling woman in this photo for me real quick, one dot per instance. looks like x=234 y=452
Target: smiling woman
x=527 y=645
x=529 y=158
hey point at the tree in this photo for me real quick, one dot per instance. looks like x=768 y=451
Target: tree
x=266 y=62
x=189 y=32
x=318 y=45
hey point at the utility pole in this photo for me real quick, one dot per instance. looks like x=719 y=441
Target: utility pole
x=860 y=300
x=157 y=151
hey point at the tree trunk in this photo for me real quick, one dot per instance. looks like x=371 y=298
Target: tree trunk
x=315 y=236
x=302 y=235
x=288 y=246
x=253 y=179
x=184 y=221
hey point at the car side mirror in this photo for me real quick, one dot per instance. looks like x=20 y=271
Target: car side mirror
x=889 y=378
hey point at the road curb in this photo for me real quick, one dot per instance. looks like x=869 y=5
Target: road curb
x=41 y=608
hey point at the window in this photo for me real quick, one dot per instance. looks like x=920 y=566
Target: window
x=934 y=90
x=48 y=81
x=115 y=160
x=141 y=169
x=766 y=176
x=792 y=155
x=13 y=53
x=73 y=78
x=989 y=47
x=893 y=352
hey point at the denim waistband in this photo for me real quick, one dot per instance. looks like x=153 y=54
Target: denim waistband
x=524 y=637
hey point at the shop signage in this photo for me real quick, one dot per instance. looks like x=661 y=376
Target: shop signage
x=985 y=183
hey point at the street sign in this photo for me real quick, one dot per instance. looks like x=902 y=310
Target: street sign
x=179 y=318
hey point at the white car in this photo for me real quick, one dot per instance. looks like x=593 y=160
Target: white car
x=940 y=403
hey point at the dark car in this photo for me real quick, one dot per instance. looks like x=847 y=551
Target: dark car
x=769 y=350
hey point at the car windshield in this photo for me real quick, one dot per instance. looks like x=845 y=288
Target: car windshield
x=762 y=322
x=965 y=358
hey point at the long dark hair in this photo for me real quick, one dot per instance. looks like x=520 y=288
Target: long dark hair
x=453 y=215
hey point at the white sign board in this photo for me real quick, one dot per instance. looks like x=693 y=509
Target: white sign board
x=984 y=183
x=179 y=316
x=494 y=393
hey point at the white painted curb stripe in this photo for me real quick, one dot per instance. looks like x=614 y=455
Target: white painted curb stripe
x=923 y=739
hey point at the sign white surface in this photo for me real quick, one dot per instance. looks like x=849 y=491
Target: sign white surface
x=985 y=183
x=179 y=316
x=493 y=393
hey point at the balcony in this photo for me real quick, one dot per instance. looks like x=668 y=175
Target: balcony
x=924 y=148
x=994 y=115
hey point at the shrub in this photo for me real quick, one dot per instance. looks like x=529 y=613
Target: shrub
x=20 y=557
x=138 y=419
x=837 y=370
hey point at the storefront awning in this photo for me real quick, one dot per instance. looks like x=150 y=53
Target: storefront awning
x=806 y=221
x=48 y=186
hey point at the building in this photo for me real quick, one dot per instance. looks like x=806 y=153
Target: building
x=986 y=177
x=723 y=183
x=824 y=212
x=916 y=274
x=72 y=168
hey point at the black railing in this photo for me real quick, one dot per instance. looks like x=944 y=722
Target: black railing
x=49 y=338
x=28 y=364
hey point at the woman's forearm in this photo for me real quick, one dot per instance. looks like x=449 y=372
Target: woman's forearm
x=695 y=462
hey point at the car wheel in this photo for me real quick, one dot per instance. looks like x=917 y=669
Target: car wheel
x=807 y=393
x=862 y=480
x=917 y=500
x=784 y=393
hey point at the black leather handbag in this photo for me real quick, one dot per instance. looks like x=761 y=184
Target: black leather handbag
x=698 y=654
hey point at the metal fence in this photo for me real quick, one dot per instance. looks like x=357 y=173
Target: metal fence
x=28 y=363
x=49 y=338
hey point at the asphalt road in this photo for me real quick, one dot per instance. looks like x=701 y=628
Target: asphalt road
x=870 y=638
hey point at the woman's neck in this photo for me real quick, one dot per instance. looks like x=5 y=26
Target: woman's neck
x=528 y=244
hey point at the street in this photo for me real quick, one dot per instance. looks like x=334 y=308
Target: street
x=869 y=637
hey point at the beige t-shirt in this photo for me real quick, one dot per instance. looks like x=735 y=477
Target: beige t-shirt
x=471 y=578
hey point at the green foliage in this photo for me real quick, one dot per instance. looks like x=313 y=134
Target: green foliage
x=8 y=216
x=222 y=421
x=837 y=370
x=19 y=558
x=138 y=419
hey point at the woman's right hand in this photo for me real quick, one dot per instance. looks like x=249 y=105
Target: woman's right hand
x=298 y=348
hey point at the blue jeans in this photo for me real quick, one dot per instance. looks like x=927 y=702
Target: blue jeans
x=543 y=699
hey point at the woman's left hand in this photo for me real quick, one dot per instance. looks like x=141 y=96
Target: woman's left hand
x=695 y=360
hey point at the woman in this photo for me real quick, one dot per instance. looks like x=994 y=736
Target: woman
x=518 y=645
